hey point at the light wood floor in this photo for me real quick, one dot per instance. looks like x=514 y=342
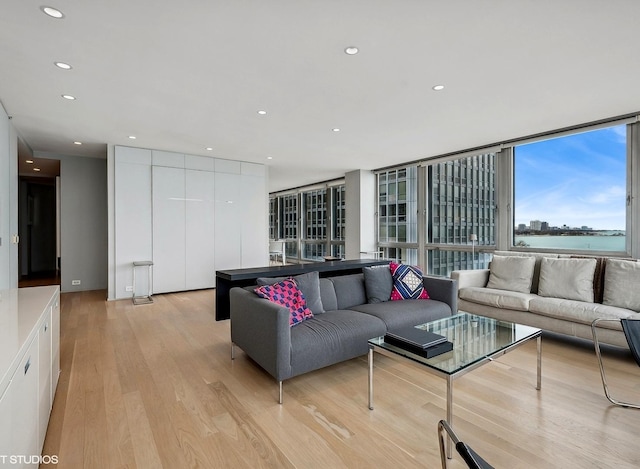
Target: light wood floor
x=153 y=386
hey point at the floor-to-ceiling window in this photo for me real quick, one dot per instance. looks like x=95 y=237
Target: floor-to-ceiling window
x=312 y=218
x=461 y=213
x=398 y=214
x=338 y=220
x=570 y=192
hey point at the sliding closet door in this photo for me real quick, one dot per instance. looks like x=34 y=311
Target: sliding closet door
x=200 y=233
x=168 y=229
x=228 y=226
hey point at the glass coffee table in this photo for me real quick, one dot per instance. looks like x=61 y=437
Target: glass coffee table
x=476 y=340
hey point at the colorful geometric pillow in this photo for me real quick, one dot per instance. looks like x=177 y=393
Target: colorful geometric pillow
x=407 y=283
x=286 y=293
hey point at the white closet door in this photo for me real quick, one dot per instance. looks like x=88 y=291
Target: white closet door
x=200 y=252
x=255 y=232
x=168 y=229
x=228 y=226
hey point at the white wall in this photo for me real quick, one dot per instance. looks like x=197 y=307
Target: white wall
x=83 y=220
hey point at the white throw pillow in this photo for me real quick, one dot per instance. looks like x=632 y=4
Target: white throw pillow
x=622 y=284
x=512 y=273
x=571 y=279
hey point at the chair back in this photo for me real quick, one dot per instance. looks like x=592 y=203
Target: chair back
x=631 y=328
x=276 y=246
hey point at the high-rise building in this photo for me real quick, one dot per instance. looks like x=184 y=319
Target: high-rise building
x=535 y=225
x=461 y=203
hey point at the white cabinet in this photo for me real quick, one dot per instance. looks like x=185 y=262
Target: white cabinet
x=168 y=229
x=28 y=374
x=200 y=232
x=228 y=226
x=254 y=202
x=191 y=215
x=133 y=211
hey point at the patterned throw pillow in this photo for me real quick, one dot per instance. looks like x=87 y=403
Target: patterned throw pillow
x=407 y=283
x=286 y=293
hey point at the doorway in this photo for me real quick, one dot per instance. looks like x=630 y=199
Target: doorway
x=38 y=222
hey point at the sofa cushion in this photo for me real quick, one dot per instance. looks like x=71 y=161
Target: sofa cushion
x=407 y=283
x=536 y=270
x=504 y=299
x=350 y=290
x=309 y=284
x=378 y=283
x=571 y=279
x=622 y=284
x=512 y=273
x=328 y=295
x=577 y=311
x=287 y=294
x=598 y=276
x=331 y=338
x=397 y=314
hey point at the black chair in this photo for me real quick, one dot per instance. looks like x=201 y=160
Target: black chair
x=473 y=459
x=631 y=329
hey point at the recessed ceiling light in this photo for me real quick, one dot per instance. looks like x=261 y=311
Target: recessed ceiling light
x=77 y=143
x=262 y=112
x=62 y=65
x=36 y=169
x=132 y=137
x=269 y=157
x=209 y=149
x=29 y=161
x=52 y=12
x=335 y=129
x=351 y=50
x=69 y=97
x=438 y=88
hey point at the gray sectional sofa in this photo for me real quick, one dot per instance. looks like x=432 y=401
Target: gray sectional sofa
x=344 y=319
x=559 y=293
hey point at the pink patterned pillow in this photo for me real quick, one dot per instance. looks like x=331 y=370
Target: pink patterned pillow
x=407 y=283
x=287 y=293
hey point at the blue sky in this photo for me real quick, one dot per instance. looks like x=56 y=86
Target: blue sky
x=575 y=180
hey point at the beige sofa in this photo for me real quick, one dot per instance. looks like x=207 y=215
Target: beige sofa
x=559 y=293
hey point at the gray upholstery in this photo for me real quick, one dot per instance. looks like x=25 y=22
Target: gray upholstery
x=350 y=290
x=261 y=328
x=378 y=283
x=330 y=338
x=397 y=314
x=328 y=295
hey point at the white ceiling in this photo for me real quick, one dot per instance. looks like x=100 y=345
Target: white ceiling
x=182 y=76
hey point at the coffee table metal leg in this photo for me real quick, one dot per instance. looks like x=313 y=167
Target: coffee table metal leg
x=370 y=378
x=539 y=363
x=449 y=412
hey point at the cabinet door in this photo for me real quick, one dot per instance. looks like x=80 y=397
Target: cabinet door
x=200 y=252
x=255 y=231
x=44 y=376
x=55 y=344
x=168 y=229
x=228 y=221
x=6 y=427
x=133 y=225
x=24 y=412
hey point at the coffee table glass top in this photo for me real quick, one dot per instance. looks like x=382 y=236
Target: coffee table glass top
x=475 y=338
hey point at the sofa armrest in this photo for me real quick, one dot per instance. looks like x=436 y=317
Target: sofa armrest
x=261 y=328
x=471 y=278
x=442 y=289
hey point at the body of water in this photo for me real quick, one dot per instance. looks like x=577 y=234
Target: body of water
x=582 y=243
x=603 y=242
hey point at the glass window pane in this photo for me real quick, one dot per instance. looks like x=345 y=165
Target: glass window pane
x=570 y=192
